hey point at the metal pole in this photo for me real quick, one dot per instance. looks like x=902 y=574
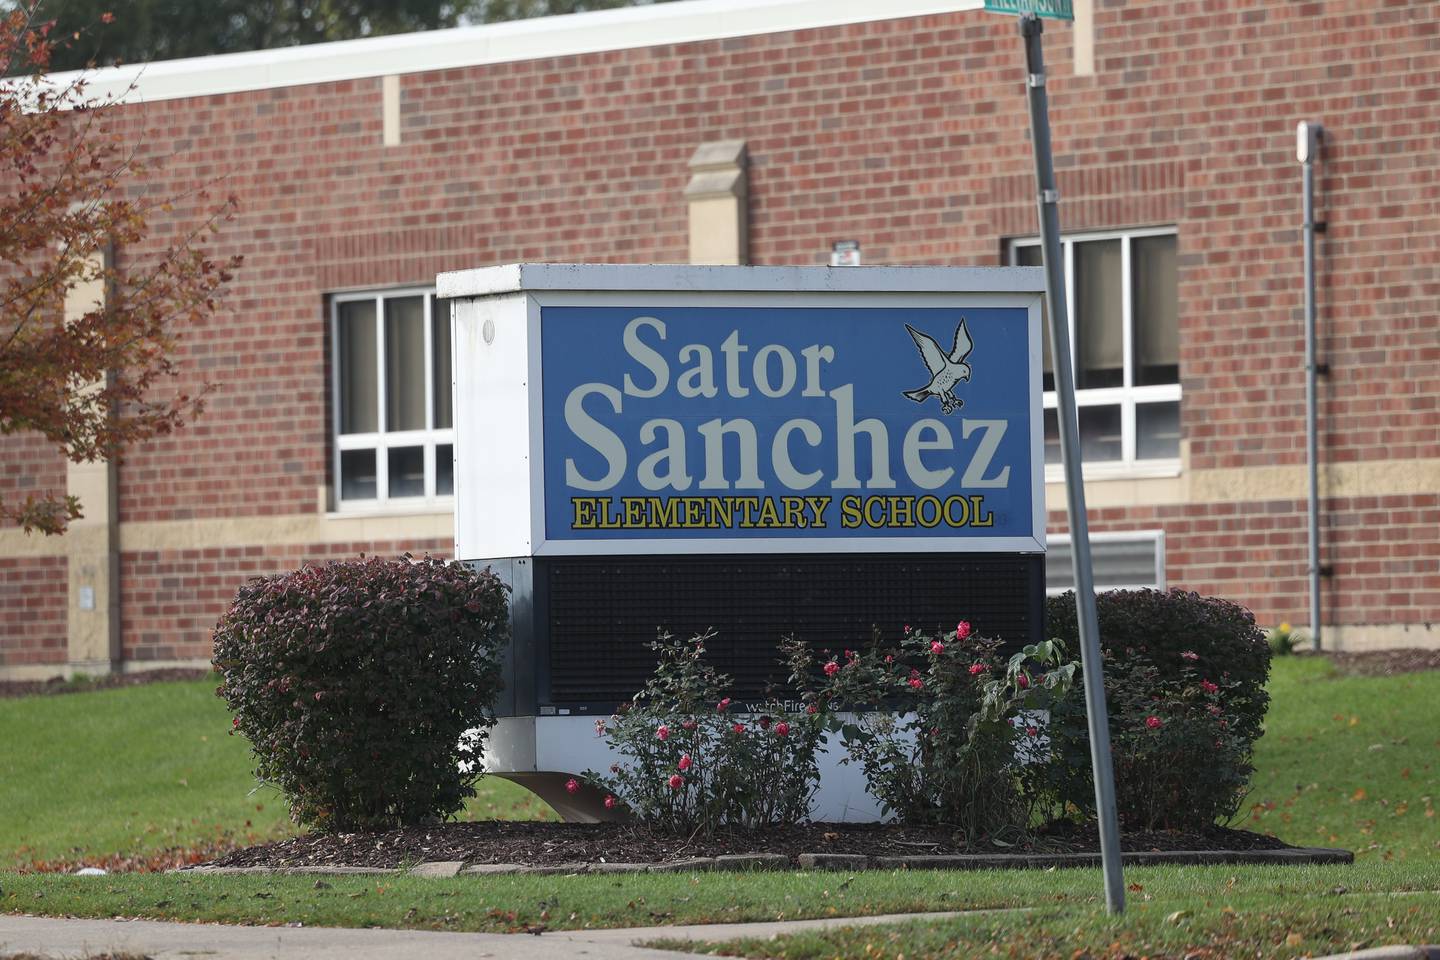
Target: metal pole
x=1091 y=659
x=1311 y=443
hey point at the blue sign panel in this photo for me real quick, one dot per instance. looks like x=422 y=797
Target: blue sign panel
x=791 y=424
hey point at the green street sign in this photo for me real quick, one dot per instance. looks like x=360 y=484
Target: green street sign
x=1056 y=9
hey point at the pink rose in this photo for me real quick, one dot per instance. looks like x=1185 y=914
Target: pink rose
x=832 y=668
x=572 y=785
x=916 y=683
x=1032 y=732
x=609 y=803
x=962 y=630
x=782 y=729
x=1022 y=681
x=1209 y=687
x=738 y=728
x=723 y=705
x=662 y=732
x=676 y=781
x=688 y=724
x=907 y=628
x=936 y=647
x=685 y=762
x=889 y=658
x=1189 y=655
x=1153 y=723
x=976 y=669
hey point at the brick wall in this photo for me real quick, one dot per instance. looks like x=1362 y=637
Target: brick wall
x=29 y=467
x=908 y=134
x=172 y=598
x=1383 y=551
x=912 y=137
x=33 y=593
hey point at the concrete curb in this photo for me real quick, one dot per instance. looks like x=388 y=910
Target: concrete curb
x=832 y=861
x=1397 y=952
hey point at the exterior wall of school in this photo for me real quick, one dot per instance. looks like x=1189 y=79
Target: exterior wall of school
x=909 y=135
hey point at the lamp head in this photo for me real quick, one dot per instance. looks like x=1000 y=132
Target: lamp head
x=1307 y=140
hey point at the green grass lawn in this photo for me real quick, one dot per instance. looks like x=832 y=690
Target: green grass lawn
x=96 y=777
x=508 y=903
x=1345 y=762
x=1349 y=762
x=1185 y=912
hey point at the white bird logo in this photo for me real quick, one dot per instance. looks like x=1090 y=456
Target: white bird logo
x=945 y=371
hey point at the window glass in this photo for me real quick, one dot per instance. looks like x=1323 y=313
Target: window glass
x=1032 y=256
x=1099 y=315
x=357 y=475
x=445 y=470
x=1052 y=436
x=1100 y=437
x=359 y=406
x=1157 y=323
x=1157 y=431
x=440 y=313
x=407 y=471
x=405 y=363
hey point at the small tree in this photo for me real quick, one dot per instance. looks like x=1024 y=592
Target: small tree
x=89 y=384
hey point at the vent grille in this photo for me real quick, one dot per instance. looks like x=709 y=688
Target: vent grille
x=603 y=611
x=1117 y=561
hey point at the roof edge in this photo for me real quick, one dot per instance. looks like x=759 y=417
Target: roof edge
x=598 y=31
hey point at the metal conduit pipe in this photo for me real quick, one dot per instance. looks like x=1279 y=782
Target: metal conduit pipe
x=1307 y=146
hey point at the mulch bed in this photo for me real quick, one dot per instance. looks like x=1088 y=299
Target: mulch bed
x=1385 y=663
x=58 y=685
x=551 y=844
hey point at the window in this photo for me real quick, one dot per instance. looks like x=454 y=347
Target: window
x=394 y=436
x=1125 y=333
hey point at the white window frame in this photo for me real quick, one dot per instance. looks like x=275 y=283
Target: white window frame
x=1126 y=396
x=383 y=440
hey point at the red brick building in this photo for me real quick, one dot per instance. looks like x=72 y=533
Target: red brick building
x=763 y=132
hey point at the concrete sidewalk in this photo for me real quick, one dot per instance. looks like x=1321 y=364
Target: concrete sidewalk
x=76 y=939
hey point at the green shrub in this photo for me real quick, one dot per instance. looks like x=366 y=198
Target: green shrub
x=960 y=719
x=355 y=682
x=693 y=760
x=1185 y=691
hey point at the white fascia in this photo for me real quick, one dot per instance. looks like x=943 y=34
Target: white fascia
x=544 y=37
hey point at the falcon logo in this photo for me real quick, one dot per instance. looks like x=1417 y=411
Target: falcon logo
x=946 y=370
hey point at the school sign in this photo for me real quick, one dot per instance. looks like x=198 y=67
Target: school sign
x=867 y=410
x=762 y=451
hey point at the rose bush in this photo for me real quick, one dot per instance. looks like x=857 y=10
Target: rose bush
x=941 y=724
x=691 y=761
